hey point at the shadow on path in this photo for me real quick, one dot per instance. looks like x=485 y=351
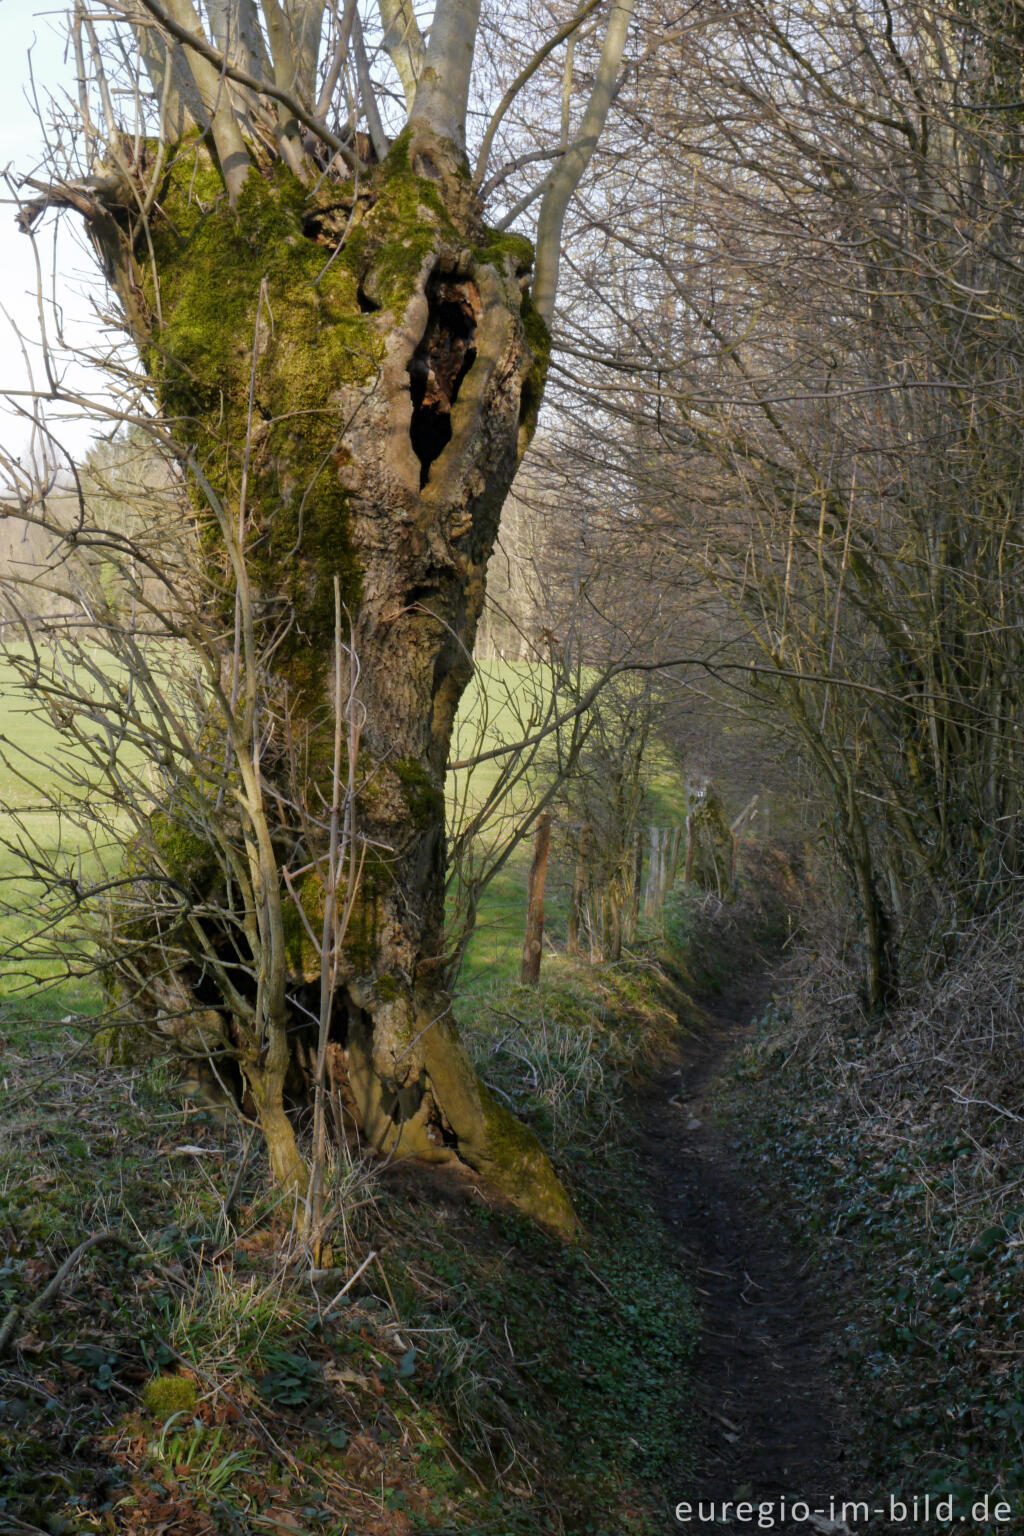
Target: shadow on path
x=764 y=1411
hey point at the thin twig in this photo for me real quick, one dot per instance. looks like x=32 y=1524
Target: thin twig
x=350 y=1281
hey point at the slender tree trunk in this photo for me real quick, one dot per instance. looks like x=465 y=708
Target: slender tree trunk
x=611 y=922
x=675 y=843
x=653 y=873
x=636 y=888
x=881 y=984
x=691 y=848
x=533 y=948
x=875 y=967
x=667 y=868
x=593 y=909
x=579 y=887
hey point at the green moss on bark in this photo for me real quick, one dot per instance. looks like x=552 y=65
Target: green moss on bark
x=304 y=905
x=188 y=858
x=263 y=277
x=424 y=798
x=237 y=281
x=516 y=1163
x=513 y=254
x=506 y=250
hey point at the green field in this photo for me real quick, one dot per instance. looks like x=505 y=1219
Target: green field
x=505 y=703
x=43 y=781
x=42 y=829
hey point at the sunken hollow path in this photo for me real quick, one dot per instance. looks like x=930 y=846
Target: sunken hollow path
x=765 y=1415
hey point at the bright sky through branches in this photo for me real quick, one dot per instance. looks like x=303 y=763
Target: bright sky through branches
x=25 y=25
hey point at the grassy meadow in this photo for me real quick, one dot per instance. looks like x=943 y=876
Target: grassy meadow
x=505 y=703
x=35 y=769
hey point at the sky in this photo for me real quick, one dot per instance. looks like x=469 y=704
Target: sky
x=26 y=24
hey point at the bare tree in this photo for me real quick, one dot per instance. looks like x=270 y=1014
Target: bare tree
x=810 y=374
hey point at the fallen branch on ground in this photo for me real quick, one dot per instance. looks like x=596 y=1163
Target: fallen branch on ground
x=18 y=1314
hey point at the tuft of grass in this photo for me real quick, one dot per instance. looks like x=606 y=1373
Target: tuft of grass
x=563 y=1053
x=227 y=1316
x=200 y=1462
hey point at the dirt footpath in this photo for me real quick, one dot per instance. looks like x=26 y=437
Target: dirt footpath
x=765 y=1414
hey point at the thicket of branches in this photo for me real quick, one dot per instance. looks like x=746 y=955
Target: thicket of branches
x=810 y=377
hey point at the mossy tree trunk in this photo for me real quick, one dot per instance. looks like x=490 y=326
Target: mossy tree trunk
x=355 y=377
x=350 y=371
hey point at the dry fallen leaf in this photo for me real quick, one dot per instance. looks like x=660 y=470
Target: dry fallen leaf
x=336 y=1376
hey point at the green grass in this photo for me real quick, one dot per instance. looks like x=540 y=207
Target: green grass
x=46 y=787
x=33 y=780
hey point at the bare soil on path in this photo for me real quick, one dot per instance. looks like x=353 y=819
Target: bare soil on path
x=766 y=1415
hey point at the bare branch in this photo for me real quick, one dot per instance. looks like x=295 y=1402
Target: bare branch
x=565 y=178
x=523 y=77
x=378 y=138
x=184 y=106
x=442 y=95
x=205 y=50
x=403 y=43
